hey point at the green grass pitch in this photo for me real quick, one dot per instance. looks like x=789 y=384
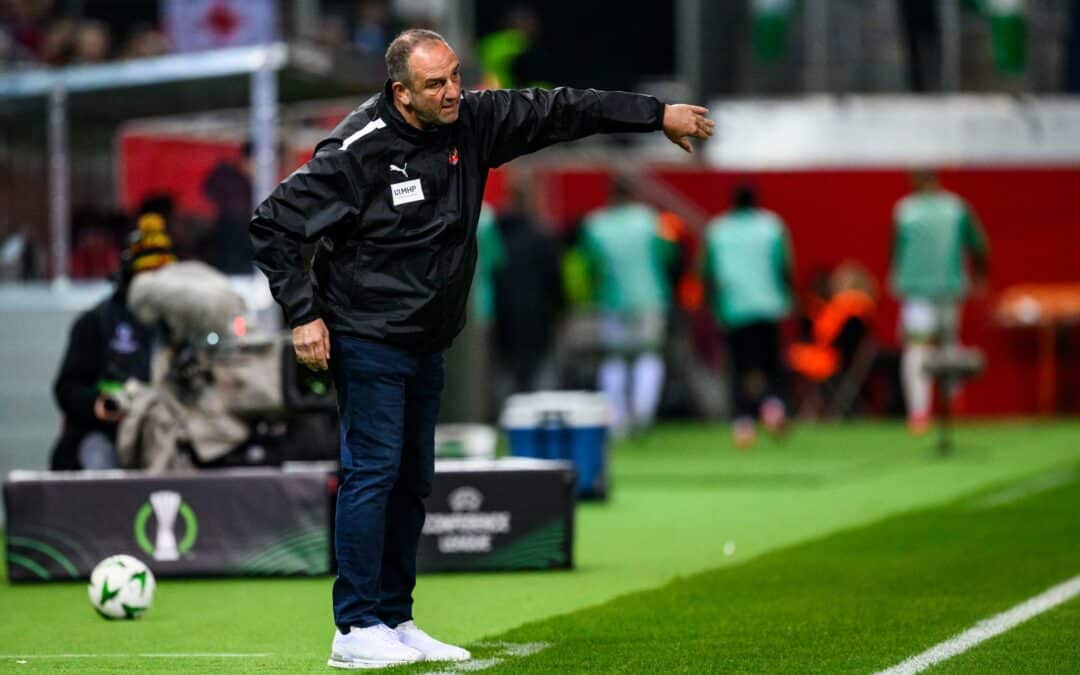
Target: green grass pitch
x=839 y=549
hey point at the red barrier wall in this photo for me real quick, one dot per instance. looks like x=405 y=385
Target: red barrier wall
x=154 y=164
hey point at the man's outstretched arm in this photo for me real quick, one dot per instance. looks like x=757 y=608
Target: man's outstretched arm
x=512 y=123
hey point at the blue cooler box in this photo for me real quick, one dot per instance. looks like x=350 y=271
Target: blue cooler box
x=570 y=425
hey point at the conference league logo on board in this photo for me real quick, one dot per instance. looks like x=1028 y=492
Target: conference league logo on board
x=465 y=528
x=165 y=506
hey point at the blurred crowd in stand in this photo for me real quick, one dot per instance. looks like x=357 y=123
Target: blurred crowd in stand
x=886 y=45
x=44 y=32
x=366 y=26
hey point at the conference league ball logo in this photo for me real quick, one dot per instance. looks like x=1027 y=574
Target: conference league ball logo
x=167 y=508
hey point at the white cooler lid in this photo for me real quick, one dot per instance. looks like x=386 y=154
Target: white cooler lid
x=577 y=408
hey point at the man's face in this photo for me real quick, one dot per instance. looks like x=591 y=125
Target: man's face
x=434 y=94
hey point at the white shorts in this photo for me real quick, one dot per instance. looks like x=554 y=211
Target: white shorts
x=632 y=333
x=930 y=320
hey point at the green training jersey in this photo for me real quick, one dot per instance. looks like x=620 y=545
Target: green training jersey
x=933 y=233
x=626 y=257
x=490 y=258
x=747 y=267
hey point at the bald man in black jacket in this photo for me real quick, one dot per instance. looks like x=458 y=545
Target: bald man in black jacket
x=393 y=196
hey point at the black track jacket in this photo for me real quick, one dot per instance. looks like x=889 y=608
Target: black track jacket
x=394 y=208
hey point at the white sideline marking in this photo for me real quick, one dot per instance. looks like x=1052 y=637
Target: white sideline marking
x=506 y=650
x=1033 y=486
x=190 y=655
x=475 y=665
x=467 y=666
x=988 y=628
x=516 y=648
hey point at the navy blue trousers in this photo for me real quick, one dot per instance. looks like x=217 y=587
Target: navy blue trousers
x=388 y=401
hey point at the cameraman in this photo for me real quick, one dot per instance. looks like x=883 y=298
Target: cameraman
x=106 y=348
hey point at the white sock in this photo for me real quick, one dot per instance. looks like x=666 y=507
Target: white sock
x=612 y=377
x=647 y=387
x=917 y=383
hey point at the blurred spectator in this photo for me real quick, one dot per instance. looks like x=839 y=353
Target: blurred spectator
x=7 y=47
x=683 y=274
x=34 y=31
x=58 y=43
x=72 y=42
x=508 y=56
x=20 y=257
x=91 y=43
x=922 y=39
x=106 y=348
x=145 y=41
x=1072 y=50
x=333 y=32
x=748 y=267
x=935 y=233
x=25 y=24
x=227 y=245
x=95 y=255
x=491 y=257
x=839 y=318
x=528 y=298
x=490 y=260
x=628 y=260
x=373 y=29
x=190 y=233
x=420 y=13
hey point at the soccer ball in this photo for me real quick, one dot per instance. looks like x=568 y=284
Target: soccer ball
x=121 y=587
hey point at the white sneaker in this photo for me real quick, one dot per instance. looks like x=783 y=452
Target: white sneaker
x=373 y=647
x=433 y=650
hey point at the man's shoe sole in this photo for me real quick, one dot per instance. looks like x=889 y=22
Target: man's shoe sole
x=358 y=664
x=458 y=659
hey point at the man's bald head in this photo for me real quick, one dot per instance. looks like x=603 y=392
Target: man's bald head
x=425 y=78
x=399 y=51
